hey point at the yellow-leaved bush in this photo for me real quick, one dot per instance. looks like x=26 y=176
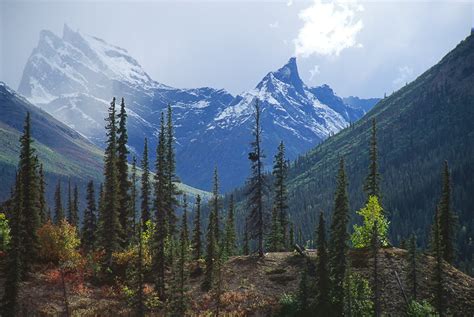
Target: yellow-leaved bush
x=372 y=212
x=59 y=243
x=130 y=255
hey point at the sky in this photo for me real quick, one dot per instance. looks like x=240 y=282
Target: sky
x=359 y=48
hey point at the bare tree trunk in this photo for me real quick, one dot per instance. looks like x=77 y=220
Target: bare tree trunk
x=66 y=302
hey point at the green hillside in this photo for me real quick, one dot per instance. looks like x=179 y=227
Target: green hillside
x=421 y=125
x=63 y=152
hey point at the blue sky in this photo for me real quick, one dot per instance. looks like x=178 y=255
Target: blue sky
x=359 y=48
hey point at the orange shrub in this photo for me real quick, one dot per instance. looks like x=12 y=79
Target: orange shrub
x=59 y=243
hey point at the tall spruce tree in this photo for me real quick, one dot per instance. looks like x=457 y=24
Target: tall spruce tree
x=291 y=237
x=28 y=177
x=74 y=216
x=140 y=298
x=133 y=201
x=280 y=204
x=447 y=219
x=339 y=239
x=412 y=267
x=323 y=284
x=372 y=182
x=275 y=238
x=197 y=232
x=145 y=194
x=438 y=272
x=58 y=205
x=230 y=235
x=90 y=220
x=43 y=206
x=375 y=246
x=183 y=258
x=69 y=200
x=111 y=228
x=211 y=252
x=14 y=265
x=245 y=242
x=170 y=174
x=256 y=184
x=215 y=206
x=160 y=212
x=123 y=180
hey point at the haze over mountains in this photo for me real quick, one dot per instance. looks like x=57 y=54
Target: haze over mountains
x=74 y=77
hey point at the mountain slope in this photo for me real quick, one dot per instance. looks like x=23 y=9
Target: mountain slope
x=62 y=151
x=418 y=127
x=74 y=77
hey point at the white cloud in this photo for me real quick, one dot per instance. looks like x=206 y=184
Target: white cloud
x=289 y=3
x=274 y=25
x=405 y=74
x=329 y=27
x=313 y=72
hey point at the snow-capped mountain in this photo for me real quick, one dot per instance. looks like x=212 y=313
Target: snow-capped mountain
x=75 y=76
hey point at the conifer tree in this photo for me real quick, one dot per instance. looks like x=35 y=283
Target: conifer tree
x=170 y=170
x=160 y=212
x=140 y=298
x=446 y=219
x=304 y=294
x=145 y=194
x=338 y=243
x=28 y=178
x=230 y=235
x=14 y=265
x=292 y=237
x=275 y=238
x=74 y=212
x=111 y=228
x=211 y=253
x=413 y=263
x=90 y=220
x=58 y=205
x=183 y=258
x=372 y=182
x=438 y=272
x=323 y=302
x=43 y=206
x=133 y=200
x=256 y=185
x=69 y=200
x=215 y=206
x=197 y=233
x=375 y=246
x=280 y=204
x=246 y=247
x=122 y=177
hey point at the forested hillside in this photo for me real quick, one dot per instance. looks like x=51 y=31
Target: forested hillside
x=418 y=127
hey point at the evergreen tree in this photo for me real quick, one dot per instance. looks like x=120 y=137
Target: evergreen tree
x=43 y=206
x=215 y=206
x=140 y=298
x=438 y=272
x=412 y=269
x=89 y=221
x=280 y=204
x=145 y=194
x=58 y=205
x=256 y=184
x=74 y=215
x=28 y=178
x=14 y=264
x=447 y=219
x=304 y=294
x=122 y=177
x=183 y=258
x=292 y=237
x=197 y=234
x=133 y=200
x=170 y=170
x=160 y=212
x=211 y=253
x=323 y=302
x=111 y=228
x=69 y=200
x=246 y=247
x=372 y=182
x=230 y=235
x=338 y=243
x=275 y=238
x=375 y=246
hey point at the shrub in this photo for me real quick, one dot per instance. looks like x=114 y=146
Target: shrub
x=4 y=232
x=421 y=309
x=359 y=295
x=59 y=243
x=289 y=305
x=372 y=212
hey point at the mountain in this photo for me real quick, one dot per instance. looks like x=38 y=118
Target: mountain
x=74 y=77
x=63 y=152
x=418 y=127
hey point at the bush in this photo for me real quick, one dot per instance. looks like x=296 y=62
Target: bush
x=289 y=305
x=4 y=232
x=359 y=295
x=372 y=212
x=421 y=309
x=59 y=243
